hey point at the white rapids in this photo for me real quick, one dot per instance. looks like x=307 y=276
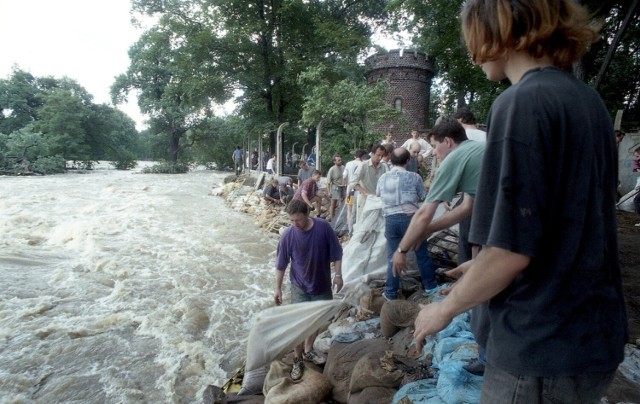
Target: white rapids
x=122 y=287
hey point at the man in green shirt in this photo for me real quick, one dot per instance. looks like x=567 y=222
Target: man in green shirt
x=458 y=172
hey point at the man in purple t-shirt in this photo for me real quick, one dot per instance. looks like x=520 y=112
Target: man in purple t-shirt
x=310 y=245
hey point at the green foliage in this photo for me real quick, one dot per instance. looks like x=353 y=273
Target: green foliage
x=49 y=165
x=126 y=160
x=49 y=117
x=28 y=151
x=346 y=108
x=167 y=167
x=435 y=27
x=200 y=51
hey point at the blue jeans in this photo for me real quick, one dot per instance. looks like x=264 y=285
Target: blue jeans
x=500 y=387
x=395 y=228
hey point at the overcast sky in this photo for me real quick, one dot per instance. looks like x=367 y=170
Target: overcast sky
x=85 y=40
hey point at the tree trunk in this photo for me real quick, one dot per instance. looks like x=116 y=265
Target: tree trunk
x=614 y=44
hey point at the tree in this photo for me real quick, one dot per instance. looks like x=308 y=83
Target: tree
x=435 y=26
x=175 y=77
x=62 y=112
x=61 y=120
x=347 y=108
x=255 y=47
x=20 y=99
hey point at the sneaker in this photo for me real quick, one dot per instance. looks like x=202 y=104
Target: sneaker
x=297 y=370
x=429 y=292
x=475 y=367
x=637 y=224
x=314 y=357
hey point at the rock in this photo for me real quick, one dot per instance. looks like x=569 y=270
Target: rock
x=214 y=395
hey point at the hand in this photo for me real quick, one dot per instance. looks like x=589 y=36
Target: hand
x=430 y=320
x=399 y=263
x=455 y=273
x=277 y=297
x=445 y=291
x=337 y=284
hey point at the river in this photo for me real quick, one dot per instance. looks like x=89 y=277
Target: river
x=122 y=287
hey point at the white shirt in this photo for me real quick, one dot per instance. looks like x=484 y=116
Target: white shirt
x=270 y=163
x=476 y=134
x=350 y=170
x=425 y=147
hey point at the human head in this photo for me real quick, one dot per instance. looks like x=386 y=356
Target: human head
x=559 y=29
x=377 y=152
x=298 y=212
x=359 y=153
x=337 y=160
x=414 y=133
x=414 y=149
x=400 y=156
x=445 y=137
x=464 y=115
x=316 y=174
x=302 y=164
x=389 y=136
x=388 y=149
x=619 y=135
x=636 y=153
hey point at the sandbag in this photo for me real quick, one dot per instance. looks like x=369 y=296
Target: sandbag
x=280 y=389
x=281 y=328
x=446 y=347
x=422 y=391
x=253 y=380
x=404 y=344
x=369 y=371
x=341 y=361
x=397 y=314
x=456 y=385
x=365 y=254
x=371 y=304
x=626 y=202
x=373 y=395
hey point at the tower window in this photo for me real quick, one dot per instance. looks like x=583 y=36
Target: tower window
x=397 y=104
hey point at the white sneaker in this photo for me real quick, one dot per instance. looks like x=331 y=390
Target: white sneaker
x=297 y=369
x=314 y=357
x=637 y=224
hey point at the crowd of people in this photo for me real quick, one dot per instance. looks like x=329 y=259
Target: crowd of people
x=537 y=259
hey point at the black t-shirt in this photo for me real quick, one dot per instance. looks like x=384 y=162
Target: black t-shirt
x=547 y=191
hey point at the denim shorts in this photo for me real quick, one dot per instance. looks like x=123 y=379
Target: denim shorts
x=298 y=296
x=500 y=387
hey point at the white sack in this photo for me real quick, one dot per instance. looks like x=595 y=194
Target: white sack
x=281 y=328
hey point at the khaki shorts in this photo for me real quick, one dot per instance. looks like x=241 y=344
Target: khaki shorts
x=337 y=192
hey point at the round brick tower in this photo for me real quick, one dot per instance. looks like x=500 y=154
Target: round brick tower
x=409 y=74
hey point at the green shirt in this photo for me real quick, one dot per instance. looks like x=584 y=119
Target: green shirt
x=458 y=172
x=335 y=175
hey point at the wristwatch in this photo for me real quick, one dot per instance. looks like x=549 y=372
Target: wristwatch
x=401 y=251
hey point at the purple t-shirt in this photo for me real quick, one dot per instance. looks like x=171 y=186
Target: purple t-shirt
x=311 y=253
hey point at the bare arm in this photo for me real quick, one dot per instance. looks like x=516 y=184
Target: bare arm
x=360 y=189
x=490 y=273
x=305 y=197
x=277 y=296
x=337 y=277
x=456 y=215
